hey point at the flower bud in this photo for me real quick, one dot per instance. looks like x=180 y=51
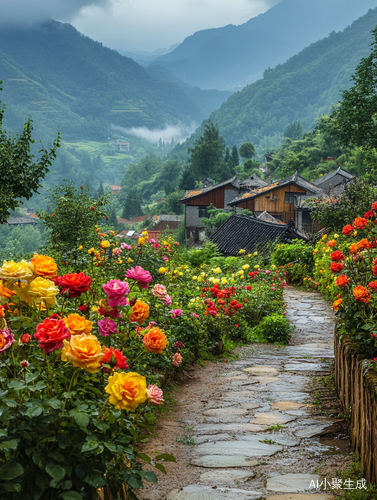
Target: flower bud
x=24 y=363
x=26 y=338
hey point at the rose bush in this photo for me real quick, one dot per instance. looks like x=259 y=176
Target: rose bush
x=82 y=355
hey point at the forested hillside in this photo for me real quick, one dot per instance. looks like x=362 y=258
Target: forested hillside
x=303 y=88
x=234 y=56
x=70 y=82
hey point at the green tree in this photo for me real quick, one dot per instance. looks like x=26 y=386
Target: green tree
x=354 y=120
x=132 y=205
x=294 y=130
x=234 y=158
x=20 y=175
x=100 y=191
x=247 y=150
x=73 y=221
x=207 y=153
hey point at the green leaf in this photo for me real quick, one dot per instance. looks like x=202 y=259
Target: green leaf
x=82 y=419
x=11 y=444
x=34 y=411
x=144 y=457
x=11 y=470
x=135 y=482
x=366 y=327
x=55 y=403
x=111 y=446
x=71 y=495
x=30 y=377
x=89 y=446
x=17 y=385
x=150 y=476
x=56 y=471
x=161 y=468
x=95 y=480
x=10 y=402
x=166 y=457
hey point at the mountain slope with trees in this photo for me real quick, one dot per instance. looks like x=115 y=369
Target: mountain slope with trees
x=303 y=88
x=234 y=56
x=72 y=82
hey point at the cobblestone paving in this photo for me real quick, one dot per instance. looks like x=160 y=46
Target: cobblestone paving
x=257 y=434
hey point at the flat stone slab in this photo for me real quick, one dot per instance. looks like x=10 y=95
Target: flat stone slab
x=197 y=492
x=217 y=428
x=314 y=430
x=271 y=419
x=231 y=374
x=300 y=496
x=305 y=367
x=226 y=476
x=253 y=448
x=223 y=461
x=212 y=437
x=279 y=440
x=291 y=483
x=286 y=405
x=220 y=412
x=250 y=406
x=262 y=371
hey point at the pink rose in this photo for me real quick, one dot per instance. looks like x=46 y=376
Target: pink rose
x=176 y=313
x=167 y=300
x=166 y=259
x=139 y=274
x=267 y=272
x=273 y=288
x=177 y=359
x=152 y=241
x=155 y=395
x=116 y=291
x=106 y=327
x=159 y=291
x=125 y=246
x=6 y=339
x=156 y=245
x=195 y=315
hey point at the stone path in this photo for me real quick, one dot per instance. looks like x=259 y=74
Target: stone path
x=257 y=432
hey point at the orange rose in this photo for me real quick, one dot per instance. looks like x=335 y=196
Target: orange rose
x=155 y=341
x=354 y=248
x=5 y=292
x=83 y=351
x=336 y=304
x=78 y=324
x=342 y=280
x=360 y=223
x=140 y=312
x=347 y=230
x=44 y=266
x=331 y=243
x=362 y=244
x=362 y=294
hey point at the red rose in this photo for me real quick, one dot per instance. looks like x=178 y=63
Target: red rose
x=83 y=308
x=347 y=230
x=337 y=256
x=369 y=214
x=336 y=267
x=51 y=333
x=374 y=270
x=374 y=205
x=75 y=283
x=25 y=339
x=373 y=285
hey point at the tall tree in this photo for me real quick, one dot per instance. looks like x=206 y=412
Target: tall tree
x=132 y=205
x=234 y=158
x=20 y=175
x=294 y=130
x=247 y=150
x=207 y=153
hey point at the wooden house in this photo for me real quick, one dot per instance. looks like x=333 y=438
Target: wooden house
x=334 y=178
x=277 y=199
x=165 y=222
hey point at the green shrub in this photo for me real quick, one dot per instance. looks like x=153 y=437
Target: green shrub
x=285 y=253
x=275 y=329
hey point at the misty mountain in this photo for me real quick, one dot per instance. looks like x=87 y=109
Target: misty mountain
x=143 y=57
x=234 y=56
x=68 y=81
x=303 y=88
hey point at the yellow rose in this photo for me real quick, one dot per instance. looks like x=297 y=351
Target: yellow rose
x=83 y=351
x=162 y=270
x=105 y=244
x=145 y=233
x=78 y=324
x=141 y=241
x=23 y=293
x=41 y=289
x=16 y=270
x=129 y=260
x=242 y=251
x=246 y=266
x=93 y=251
x=80 y=247
x=255 y=253
x=127 y=390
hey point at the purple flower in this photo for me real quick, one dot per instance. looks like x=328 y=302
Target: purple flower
x=179 y=345
x=195 y=315
x=106 y=327
x=125 y=246
x=176 y=313
x=116 y=291
x=6 y=339
x=139 y=274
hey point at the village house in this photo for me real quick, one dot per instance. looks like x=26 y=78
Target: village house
x=165 y=222
x=334 y=178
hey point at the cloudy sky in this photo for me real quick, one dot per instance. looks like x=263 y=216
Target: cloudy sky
x=136 y=24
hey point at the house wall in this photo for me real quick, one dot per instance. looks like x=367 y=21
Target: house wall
x=192 y=217
x=163 y=225
x=219 y=198
x=279 y=209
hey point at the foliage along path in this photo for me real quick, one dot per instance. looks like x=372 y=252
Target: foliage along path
x=237 y=455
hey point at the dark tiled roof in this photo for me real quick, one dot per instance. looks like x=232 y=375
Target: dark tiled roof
x=194 y=193
x=21 y=220
x=254 y=181
x=330 y=175
x=292 y=179
x=325 y=196
x=250 y=234
x=170 y=218
x=269 y=218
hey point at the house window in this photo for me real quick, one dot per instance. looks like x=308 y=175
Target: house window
x=203 y=212
x=290 y=196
